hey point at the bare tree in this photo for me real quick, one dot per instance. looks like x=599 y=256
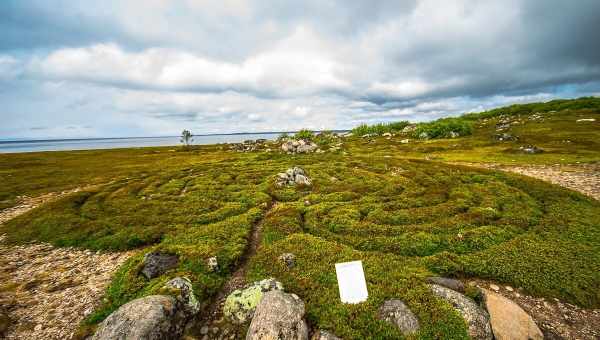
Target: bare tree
x=186 y=138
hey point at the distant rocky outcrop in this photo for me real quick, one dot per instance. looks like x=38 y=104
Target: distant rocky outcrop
x=299 y=146
x=293 y=176
x=250 y=145
x=279 y=316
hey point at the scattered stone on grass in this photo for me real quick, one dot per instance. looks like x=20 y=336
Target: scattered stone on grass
x=288 y=259
x=504 y=137
x=585 y=120
x=324 y=335
x=156 y=264
x=477 y=319
x=448 y=283
x=185 y=296
x=531 y=149
x=240 y=304
x=398 y=314
x=508 y=320
x=213 y=264
x=293 y=176
x=278 y=316
x=299 y=146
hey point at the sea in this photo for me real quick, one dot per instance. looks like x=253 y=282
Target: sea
x=12 y=146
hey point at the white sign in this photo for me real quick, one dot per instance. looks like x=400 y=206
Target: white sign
x=351 y=281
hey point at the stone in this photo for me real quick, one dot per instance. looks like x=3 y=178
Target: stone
x=397 y=313
x=387 y=134
x=448 y=283
x=477 y=319
x=423 y=135
x=324 y=335
x=156 y=264
x=453 y=134
x=505 y=137
x=204 y=330
x=278 y=316
x=241 y=303
x=151 y=317
x=509 y=288
x=585 y=120
x=409 y=128
x=302 y=180
x=213 y=264
x=185 y=295
x=288 y=259
x=494 y=287
x=508 y=320
x=531 y=149
x=405 y=141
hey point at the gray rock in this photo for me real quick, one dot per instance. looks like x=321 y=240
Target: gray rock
x=156 y=264
x=453 y=134
x=213 y=264
x=278 y=316
x=423 y=135
x=288 y=259
x=531 y=149
x=448 y=283
x=324 y=335
x=477 y=319
x=241 y=303
x=186 y=296
x=397 y=313
x=302 y=180
x=149 y=318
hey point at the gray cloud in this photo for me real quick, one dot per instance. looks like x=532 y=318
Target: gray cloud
x=127 y=67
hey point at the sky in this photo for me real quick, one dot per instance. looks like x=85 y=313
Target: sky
x=115 y=68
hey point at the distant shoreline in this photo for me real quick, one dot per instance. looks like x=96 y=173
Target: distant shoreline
x=24 y=140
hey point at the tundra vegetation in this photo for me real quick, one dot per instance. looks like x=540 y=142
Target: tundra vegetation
x=396 y=206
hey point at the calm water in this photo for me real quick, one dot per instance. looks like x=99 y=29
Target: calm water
x=111 y=143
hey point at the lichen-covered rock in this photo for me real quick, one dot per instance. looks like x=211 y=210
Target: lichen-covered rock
x=240 y=304
x=278 y=316
x=324 y=335
x=185 y=295
x=508 y=320
x=299 y=146
x=156 y=264
x=149 y=318
x=448 y=283
x=397 y=313
x=477 y=319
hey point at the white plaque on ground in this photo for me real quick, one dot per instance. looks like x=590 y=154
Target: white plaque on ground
x=351 y=281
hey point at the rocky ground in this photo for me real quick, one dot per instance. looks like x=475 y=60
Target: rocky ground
x=556 y=319
x=46 y=291
x=584 y=178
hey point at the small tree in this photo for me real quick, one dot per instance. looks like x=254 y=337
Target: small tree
x=186 y=138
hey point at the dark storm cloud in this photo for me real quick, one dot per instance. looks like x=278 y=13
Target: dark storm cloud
x=240 y=65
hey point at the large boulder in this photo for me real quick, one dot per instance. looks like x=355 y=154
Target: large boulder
x=299 y=146
x=149 y=318
x=477 y=319
x=278 y=316
x=397 y=313
x=508 y=320
x=156 y=264
x=241 y=303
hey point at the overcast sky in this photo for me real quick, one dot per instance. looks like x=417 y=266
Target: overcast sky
x=153 y=67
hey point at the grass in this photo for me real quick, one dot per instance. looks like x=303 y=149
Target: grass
x=377 y=200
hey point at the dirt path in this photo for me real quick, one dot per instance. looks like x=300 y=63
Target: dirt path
x=212 y=320
x=45 y=292
x=584 y=178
